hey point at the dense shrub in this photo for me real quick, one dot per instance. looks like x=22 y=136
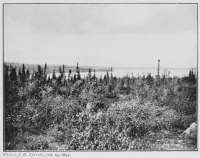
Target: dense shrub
x=94 y=114
x=37 y=143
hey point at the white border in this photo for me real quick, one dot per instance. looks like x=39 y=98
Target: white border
x=181 y=154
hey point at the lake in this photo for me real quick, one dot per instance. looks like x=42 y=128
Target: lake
x=121 y=72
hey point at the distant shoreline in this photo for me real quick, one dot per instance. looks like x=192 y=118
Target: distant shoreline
x=98 y=68
x=51 y=67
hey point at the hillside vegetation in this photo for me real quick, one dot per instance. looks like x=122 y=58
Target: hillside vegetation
x=109 y=113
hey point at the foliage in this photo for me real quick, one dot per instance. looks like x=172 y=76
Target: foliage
x=91 y=113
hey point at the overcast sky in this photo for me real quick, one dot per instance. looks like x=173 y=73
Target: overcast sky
x=128 y=35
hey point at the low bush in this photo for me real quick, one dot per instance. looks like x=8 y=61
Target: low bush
x=37 y=143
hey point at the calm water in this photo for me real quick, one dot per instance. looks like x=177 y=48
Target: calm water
x=121 y=72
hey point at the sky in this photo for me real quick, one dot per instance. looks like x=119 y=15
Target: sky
x=118 y=35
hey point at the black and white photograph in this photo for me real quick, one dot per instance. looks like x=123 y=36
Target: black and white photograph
x=100 y=77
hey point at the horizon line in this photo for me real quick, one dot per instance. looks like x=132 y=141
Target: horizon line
x=113 y=67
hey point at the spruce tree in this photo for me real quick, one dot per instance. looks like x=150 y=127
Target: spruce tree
x=89 y=73
x=60 y=70
x=54 y=75
x=20 y=75
x=74 y=78
x=191 y=77
x=63 y=70
x=107 y=77
x=78 y=72
x=23 y=73
x=39 y=71
x=45 y=68
x=27 y=74
x=69 y=74
x=149 y=80
x=94 y=75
